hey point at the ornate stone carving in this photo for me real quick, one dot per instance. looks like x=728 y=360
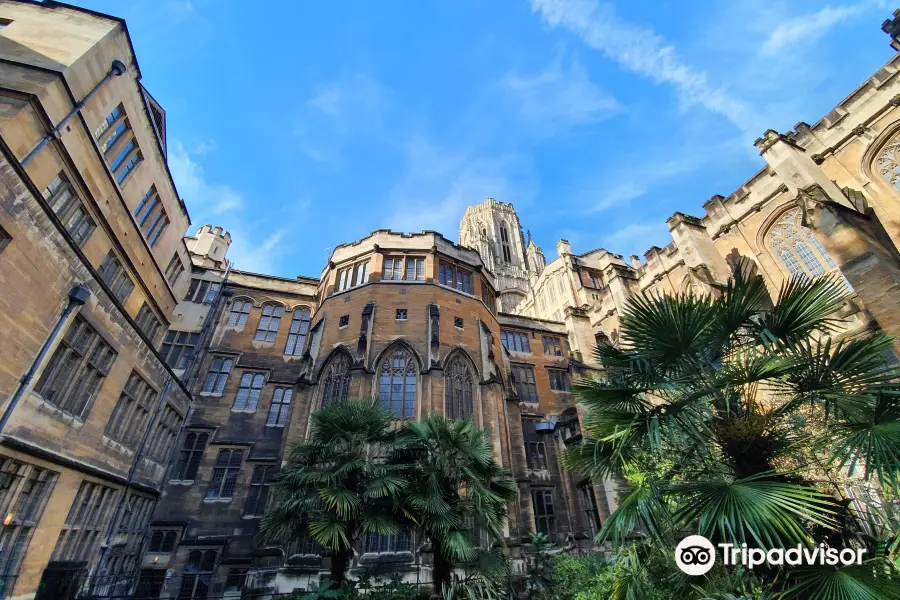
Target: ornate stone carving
x=888 y=163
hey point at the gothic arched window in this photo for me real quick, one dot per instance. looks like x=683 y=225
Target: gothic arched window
x=799 y=250
x=458 y=390
x=888 y=163
x=504 y=244
x=397 y=383
x=336 y=382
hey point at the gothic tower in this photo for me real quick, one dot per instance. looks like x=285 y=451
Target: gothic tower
x=492 y=228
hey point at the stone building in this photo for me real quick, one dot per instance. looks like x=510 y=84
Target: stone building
x=149 y=390
x=92 y=265
x=409 y=318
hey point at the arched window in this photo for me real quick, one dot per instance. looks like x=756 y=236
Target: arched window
x=504 y=244
x=336 y=383
x=268 y=323
x=397 y=383
x=458 y=390
x=240 y=310
x=888 y=163
x=799 y=250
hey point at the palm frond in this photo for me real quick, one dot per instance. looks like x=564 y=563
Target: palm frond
x=754 y=509
x=870 y=437
x=641 y=506
x=805 y=306
x=854 y=582
x=667 y=328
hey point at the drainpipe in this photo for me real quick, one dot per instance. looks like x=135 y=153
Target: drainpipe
x=78 y=295
x=123 y=498
x=117 y=68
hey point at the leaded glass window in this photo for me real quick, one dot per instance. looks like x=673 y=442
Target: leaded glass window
x=799 y=250
x=458 y=386
x=336 y=382
x=397 y=383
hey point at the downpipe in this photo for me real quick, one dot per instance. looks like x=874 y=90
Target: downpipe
x=118 y=68
x=78 y=295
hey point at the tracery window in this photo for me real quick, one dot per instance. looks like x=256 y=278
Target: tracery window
x=397 y=383
x=799 y=250
x=336 y=383
x=888 y=163
x=458 y=385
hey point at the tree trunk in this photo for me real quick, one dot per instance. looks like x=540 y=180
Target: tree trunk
x=340 y=561
x=443 y=568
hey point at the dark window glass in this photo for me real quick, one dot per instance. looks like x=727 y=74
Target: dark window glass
x=77 y=369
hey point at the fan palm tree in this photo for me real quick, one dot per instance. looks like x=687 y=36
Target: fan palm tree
x=456 y=491
x=739 y=420
x=337 y=485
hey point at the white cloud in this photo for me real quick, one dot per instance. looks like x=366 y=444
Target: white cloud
x=220 y=204
x=807 y=28
x=639 y=175
x=438 y=185
x=640 y=50
x=211 y=199
x=560 y=95
x=618 y=194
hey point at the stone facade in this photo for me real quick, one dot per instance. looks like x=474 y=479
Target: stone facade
x=92 y=265
x=149 y=390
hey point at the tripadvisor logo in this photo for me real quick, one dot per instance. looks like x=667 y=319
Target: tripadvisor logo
x=696 y=555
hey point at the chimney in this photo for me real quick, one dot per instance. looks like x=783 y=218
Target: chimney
x=563 y=248
x=635 y=261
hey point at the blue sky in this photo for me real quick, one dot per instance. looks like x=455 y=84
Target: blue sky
x=298 y=125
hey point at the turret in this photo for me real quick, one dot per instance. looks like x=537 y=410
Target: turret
x=210 y=242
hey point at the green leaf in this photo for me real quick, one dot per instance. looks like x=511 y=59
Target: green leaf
x=754 y=509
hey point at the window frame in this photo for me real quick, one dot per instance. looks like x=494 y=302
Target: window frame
x=131 y=415
x=193 y=447
x=224 y=475
x=113 y=273
x=280 y=407
x=552 y=345
x=298 y=331
x=527 y=383
x=453 y=276
x=517 y=339
x=545 y=512
x=178 y=351
x=335 y=384
x=250 y=388
x=87 y=373
x=391 y=373
x=237 y=319
x=559 y=380
x=70 y=209
x=221 y=374
x=269 y=323
x=260 y=483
